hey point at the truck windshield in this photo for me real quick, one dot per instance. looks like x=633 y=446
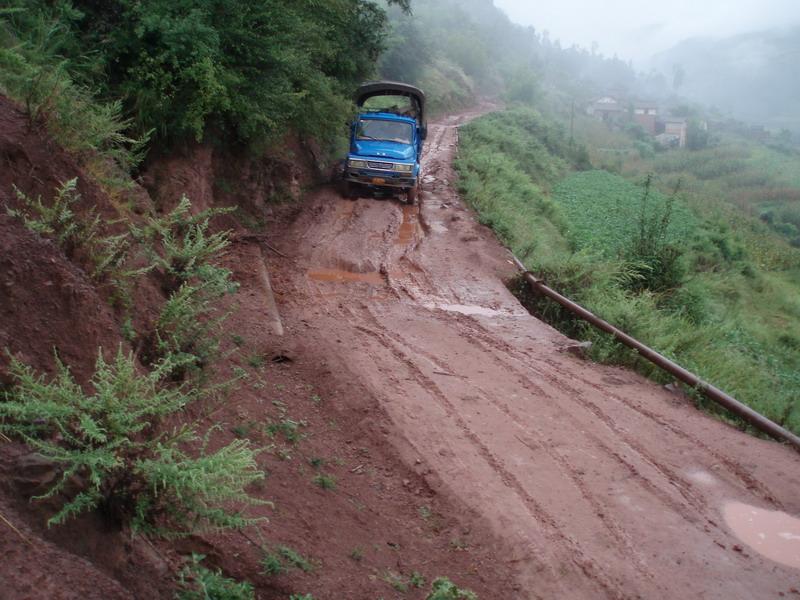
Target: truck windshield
x=390 y=131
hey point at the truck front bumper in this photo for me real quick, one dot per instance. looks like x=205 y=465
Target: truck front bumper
x=380 y=179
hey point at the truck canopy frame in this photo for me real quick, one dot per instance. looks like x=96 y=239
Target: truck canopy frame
x=371 y=89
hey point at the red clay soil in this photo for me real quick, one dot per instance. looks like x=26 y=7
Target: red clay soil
x=599 y=483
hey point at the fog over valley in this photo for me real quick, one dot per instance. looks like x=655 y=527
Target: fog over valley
x=742 y=58
x=631 y=31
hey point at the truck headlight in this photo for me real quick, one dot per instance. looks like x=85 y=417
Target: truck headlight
x=357 y=164
x=403 y=168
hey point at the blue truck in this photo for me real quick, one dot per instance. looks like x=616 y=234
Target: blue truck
x=386 y=142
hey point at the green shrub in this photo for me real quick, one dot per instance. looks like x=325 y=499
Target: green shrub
x=288 y=428
x=182 y=252
x=284 y=559
x=57 y=219
x=109 y=440
x=326 y=482
x=645 y=149
x=180 y=245
x=189 y=325
x=444 y=589
x=654 y=257
x=34 y=72
x=197 y=582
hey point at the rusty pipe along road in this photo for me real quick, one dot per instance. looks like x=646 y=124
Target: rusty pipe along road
x=715 y=394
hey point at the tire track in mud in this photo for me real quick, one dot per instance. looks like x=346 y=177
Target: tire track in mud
x=735 y=469
x=536 y=442
x=692 y=510
x=694 y=504
x=540 y=441
x=615 y=529
x=554 y=531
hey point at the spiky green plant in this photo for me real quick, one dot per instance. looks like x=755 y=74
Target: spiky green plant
x=56 y=219
x=110 y=452
x=109 y=254
x=444 y=589
x=180 y=244
x=190 y=322
x=197 y=582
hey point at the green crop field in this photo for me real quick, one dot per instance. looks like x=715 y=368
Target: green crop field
x=603 y=211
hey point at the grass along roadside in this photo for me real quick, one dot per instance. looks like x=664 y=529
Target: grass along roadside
x=720 y=314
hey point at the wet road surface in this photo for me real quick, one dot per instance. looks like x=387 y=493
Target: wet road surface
x=600 y=483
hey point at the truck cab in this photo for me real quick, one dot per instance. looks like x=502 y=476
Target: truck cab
x=386 y=142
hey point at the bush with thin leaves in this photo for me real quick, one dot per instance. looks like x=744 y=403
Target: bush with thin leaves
x=283 y=559
x=191 y=493
x=111 y=454
x=444 y=589
x=109 y=255
x=189 y=322
x=182 y=251
x=35 y=73
x=56 y=219
x=180 y=245
x=197 y=582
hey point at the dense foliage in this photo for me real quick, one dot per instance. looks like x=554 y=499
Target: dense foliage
x=238 y=69
x=109 y=440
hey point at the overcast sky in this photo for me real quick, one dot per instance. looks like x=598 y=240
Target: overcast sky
x=635 y=30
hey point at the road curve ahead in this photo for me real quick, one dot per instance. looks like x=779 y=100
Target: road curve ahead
x=600 y=483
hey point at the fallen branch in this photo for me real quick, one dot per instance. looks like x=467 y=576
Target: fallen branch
x=261 y=238
x=17 y=531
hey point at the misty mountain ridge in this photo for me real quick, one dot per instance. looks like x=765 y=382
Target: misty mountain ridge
x=751 y=76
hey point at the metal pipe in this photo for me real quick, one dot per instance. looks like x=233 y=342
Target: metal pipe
x=755 y=419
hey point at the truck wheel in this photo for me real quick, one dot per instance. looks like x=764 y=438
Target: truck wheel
x=337 y=172
x=412 y=194
x=349 y=190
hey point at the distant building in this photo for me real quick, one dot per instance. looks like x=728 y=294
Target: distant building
x=646 y=115
x=675 y=127
x=606 y=108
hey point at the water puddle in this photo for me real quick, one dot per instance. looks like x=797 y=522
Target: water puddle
x=339 y=276
x=409 y=226
x=467 y=309
x=701 y=477
x=771 y=533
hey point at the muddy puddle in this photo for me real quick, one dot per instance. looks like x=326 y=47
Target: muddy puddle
x=469 y=309
x=339 y=276
x=410 y=225
x=772 y=534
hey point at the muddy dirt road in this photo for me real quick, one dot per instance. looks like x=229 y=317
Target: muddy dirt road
x=600 y=483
